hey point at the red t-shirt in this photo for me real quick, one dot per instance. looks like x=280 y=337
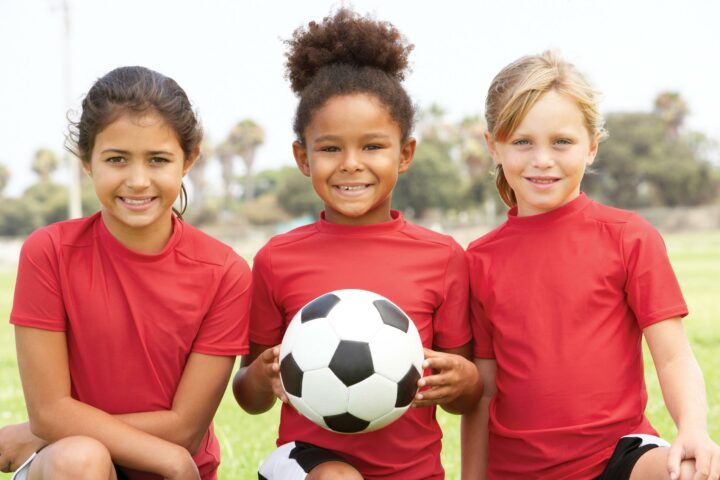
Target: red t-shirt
x=560 y=301
x=421 y=271
x=132 y=319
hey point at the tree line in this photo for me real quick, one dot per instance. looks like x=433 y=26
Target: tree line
x=649 y=159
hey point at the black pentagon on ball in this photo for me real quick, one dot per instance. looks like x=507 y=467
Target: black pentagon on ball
x=319 y=308
x=352 y=362
x=346 y=423
x=292 y=375
x=407 y=387
x=392 y=315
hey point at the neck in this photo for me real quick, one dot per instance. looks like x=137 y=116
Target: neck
x=147 y=240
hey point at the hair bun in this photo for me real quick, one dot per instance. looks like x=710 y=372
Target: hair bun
x=345 y=38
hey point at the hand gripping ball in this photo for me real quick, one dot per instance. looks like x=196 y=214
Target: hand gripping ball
x=350 y=361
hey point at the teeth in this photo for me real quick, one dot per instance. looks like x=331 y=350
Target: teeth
x=355 y=187
x=543 y=180
x=132 y=201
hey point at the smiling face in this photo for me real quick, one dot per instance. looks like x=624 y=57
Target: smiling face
x=136 y=166
x=353 y=153
x=545 y=158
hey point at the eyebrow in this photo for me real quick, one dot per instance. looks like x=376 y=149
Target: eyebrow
x=126 y=152
x=370 y=136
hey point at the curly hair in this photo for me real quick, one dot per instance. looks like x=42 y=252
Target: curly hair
x=344 y=54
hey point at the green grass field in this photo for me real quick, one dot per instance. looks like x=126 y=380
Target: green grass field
x=246 y=439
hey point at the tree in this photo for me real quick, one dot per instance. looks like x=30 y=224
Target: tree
x=197 y=174
x=433 y=180
x=244 y=140
x=44 y=164
x=4 y=177
x=642 y=165
x=295 y=193
x=672 y=109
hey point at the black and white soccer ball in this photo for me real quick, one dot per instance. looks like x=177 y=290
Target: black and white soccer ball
x=350 y=361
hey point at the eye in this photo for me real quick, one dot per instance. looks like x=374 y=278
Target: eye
x=115 y=160
x=158 y=160
x=521 y=141
x=373 y=146
x=329 y=149
x=563 y=141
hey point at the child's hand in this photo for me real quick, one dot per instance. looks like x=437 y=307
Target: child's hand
x=700 y=447
x=17 y=443
x=452 y=375
x=270 y=364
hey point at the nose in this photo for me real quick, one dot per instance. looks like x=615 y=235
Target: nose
x=138 y=176
x=543 y=158
x=350 y=162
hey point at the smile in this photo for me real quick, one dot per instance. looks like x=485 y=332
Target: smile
x=542 y=180
x=135 y=201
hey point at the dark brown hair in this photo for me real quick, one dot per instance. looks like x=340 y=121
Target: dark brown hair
x=135 y=90
x=344 y=54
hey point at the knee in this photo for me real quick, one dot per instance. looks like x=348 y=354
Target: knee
x=334 y=471
x=79 y=458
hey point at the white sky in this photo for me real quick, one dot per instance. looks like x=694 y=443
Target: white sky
x=229 y=57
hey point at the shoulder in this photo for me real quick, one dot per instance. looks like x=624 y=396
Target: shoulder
x=200 y=247
x=631 y=224
x=295 y=235
x=76 y=232
x=486 y=239
x=425 y=235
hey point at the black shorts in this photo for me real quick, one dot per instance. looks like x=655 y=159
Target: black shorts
x=294 y=460
x=627 y=452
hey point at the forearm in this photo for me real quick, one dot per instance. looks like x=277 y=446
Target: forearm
x=128 y=446
x=474 y=441
x=683 y=389
x=251 y=389
x=165 y=424
x=466 y=401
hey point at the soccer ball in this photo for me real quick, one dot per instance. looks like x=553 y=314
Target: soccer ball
x=350 y=361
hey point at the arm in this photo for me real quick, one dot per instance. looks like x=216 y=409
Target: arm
x=54 y=414
x=474 y=426
x=194 y=405
x=257 y=383
x=17 y=443
x=683 y=390
x=454 y=383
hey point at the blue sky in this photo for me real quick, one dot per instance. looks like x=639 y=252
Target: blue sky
x=229 y=56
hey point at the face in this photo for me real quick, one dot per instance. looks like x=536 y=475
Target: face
x=353 y=154
x=136 y=167
x=544 y=160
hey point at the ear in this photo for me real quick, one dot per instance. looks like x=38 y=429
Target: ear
x=86 y=166
x=407 y=154
x=490 y=142
x=301 y=158
x=594 y=144
x=191 y=159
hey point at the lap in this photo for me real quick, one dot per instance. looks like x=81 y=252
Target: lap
x=296 y=461
x=68 y=454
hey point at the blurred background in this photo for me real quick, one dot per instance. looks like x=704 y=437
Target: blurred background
x=653 y=61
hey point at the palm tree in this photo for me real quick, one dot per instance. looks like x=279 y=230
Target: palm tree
x=4 y=177
x=225 y=154
x=672 y=109
x=44 y=164
x=244 y=140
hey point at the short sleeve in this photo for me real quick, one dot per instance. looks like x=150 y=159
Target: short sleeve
x=38 y=300
x=451 y=325
x=481 y=327
x=266 y=317
x=224 y=330
x=652 y=289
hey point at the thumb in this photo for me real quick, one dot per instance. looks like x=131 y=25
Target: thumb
x=675 y=456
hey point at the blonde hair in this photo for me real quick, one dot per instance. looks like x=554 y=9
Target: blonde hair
x=516 y=89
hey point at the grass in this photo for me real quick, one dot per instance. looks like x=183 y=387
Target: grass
x=247 y=439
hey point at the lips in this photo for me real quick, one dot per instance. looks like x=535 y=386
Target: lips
x=542 y=180
x=136 y=203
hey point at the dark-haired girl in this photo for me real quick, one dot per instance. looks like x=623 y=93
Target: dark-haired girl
x=353 y=126
x=128 y=322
